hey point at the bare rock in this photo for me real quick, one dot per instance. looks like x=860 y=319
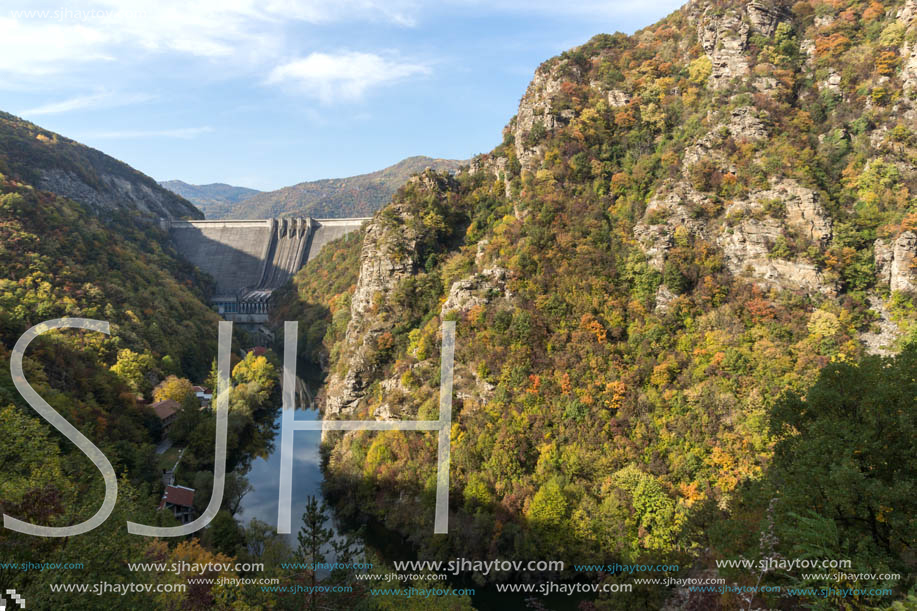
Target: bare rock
x=724 y=38
x=388 y=256
x=664 y=298
x=883 y=255
x=477 y=290
x=907 y=15
x=747 y=244
x=616 y=98
x=903 y=276
x=880 y=338
x=676 y=205
x=832 y=83
x=896 y=263
x=114 y=192
x=803 y=210
x=536 y=111
x=763 y=17
x=744 y=124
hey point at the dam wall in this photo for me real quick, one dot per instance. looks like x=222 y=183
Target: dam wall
x=250 y=259
x=233 y=252
x=332 y=229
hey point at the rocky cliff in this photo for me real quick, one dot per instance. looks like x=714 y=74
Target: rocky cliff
x=679 y=226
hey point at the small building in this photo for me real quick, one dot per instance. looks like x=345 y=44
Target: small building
x=167 y=412
x=204 y=396
x=180 y=501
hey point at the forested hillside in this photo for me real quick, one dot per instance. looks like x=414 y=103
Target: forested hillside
x=354 y=196
x=52 y=162
x=205 y=197
x=63 y=257
x=682 y=231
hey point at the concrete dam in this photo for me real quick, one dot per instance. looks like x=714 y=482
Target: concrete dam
x=250 y=259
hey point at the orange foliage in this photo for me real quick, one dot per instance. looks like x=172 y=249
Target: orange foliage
x=832 y=45
x=887 y=62
x=873 y=11
x=589 y=323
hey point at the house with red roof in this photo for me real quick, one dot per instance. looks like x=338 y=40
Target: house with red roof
x=180 y=501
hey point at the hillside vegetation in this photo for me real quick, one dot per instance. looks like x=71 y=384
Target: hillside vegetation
x=52 y=162
x=209 y=197
x=354 y=196
x=682 y=231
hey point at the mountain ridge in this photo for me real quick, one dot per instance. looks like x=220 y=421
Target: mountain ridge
x=56 y=163
x=204 y=196
x=351 y=196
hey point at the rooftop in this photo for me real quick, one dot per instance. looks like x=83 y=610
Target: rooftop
x=178 y=495
x=165 y=409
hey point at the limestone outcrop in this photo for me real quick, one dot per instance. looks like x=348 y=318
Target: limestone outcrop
x=537 y=116
x=389 y=255
x=477 y=290
x=724 y=38
x=896 y=263
x=907 y=16
x=747 y=232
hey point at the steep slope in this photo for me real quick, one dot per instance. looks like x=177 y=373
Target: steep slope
x=97 y=258
x=679 y=227
x=52 y=162
x=209 y=197
x=355 y=196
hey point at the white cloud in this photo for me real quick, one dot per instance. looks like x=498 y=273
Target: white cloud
x=344 y=76
x=35 y=49
x=94 y=101
x=183 y=133
x=45 y=39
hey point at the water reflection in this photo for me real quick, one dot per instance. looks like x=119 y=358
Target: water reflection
x=264 y=473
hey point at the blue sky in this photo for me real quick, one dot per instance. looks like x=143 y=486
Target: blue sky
x=266 y=94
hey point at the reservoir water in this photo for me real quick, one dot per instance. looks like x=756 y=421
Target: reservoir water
x=264 y=475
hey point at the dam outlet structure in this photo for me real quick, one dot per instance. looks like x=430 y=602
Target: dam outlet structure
x=250 y=259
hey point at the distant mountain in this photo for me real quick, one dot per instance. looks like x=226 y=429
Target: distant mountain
x=209 y=197
x=52 y=162
x=358 y=195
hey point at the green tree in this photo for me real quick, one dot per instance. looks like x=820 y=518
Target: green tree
x=132 y=368
x=224 y=534
x=313 y=537
x=843 y=464
x=178 y=389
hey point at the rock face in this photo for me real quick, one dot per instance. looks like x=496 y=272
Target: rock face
x=678 y=205
x=747 y=232
x=763 y=17
x=477 y=290
x=907 y=15
x=103 y=184
x=881 y=336
x=785 y=210
x=114 y=191
x=725 y=39
x=388 y=256
x=537 y=116
x=743 y=124
x=381 y=269
x=896 y=263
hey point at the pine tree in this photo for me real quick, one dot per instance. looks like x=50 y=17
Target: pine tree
x=313 y=537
